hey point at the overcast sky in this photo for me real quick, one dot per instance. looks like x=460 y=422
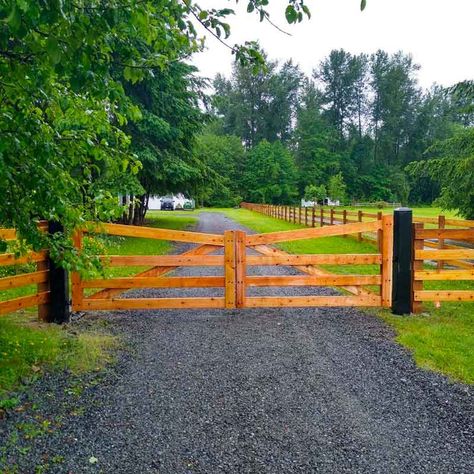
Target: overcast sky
x=438 y=33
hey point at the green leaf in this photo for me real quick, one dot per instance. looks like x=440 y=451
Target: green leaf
x=53 y=50
x=14 y=19
x=363 y=4
x=203 y=14
x=250 y=7
x=291 y=14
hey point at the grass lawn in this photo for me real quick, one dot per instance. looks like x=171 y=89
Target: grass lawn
x=440 y=339
x=417 y=211
x=27 y=347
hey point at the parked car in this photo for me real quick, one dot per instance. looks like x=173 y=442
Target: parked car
x=167 y=204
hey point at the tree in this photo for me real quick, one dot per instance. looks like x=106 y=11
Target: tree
x=395 y=100
x=337 y=188
x=163 y=139
x=63 y=104
x=315 y=193
x=343 y=79
x=453 y=169
x=258 y=106
x=315 y=140
x=225 y=156
x=270 y=174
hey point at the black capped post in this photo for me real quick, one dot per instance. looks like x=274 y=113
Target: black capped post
x=402 y=260
x=58 y=285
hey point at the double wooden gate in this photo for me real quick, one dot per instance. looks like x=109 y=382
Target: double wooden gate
x=236 y=252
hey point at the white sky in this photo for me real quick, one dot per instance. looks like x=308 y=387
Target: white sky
x=438 y=33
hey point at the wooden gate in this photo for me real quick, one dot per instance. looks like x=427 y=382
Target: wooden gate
x=234 y=259
x=358 y=288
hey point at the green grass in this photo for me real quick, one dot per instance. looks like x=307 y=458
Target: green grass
x=417 y=211
x=441 y=339
x=27 y=347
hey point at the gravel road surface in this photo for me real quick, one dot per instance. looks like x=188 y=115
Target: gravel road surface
x=248 y=391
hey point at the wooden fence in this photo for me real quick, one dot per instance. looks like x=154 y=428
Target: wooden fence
x=453 y=263
x=38 y=275
x=327 y=216
x=399 y=281
x=107 y=298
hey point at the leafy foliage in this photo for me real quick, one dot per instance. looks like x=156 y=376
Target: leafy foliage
x=453 y=168
x=65 y=105
x=270 y=174
x=363 y=118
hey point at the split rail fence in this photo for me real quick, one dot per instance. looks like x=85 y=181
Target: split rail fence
x=320 y=216
x=34 y=271
x=401 y=264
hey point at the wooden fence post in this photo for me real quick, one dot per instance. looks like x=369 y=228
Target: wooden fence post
x=379 y=232
x=313 y=223
x=229 y=269
x=359 y=218
x=299 y=215
x=77 y=291
x=240 y=268
x=387 y=260
x=441 y=225
x=402 y=261
x=332 y=216
x=321 y=217
x=58 y=285
x=294 y=215
x=417 y=265
x=306 y=216
x=44 y=310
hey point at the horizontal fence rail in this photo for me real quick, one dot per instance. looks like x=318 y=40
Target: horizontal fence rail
x=438 y=238
x=410 y=261
x=441 y=265
x=38 y=277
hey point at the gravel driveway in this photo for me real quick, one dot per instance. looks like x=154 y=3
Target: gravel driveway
x=253 y=391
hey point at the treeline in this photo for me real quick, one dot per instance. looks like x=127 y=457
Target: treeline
x=362 y=121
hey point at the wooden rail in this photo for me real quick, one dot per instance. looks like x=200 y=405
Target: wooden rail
x=449 y=260
x=435 y=238
x=38 y=277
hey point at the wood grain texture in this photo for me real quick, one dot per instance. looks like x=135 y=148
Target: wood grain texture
x=445 y=275
x=417 y=265
x=445 y=254
x=309 y=269
x=164 y=260
x=44 y=313
x=23 y=302
x=151 y=303
x=241 y=268
x=313 y=301
x=30 y=257
x=229 y=268
x=152 y=233
x=156 y=282
x=444 y=295
x=302 y=234
x=24 y=279
x=458 y=234
x=77 y=292
x=314 y=259
x=334 y=280
x=387 y=260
